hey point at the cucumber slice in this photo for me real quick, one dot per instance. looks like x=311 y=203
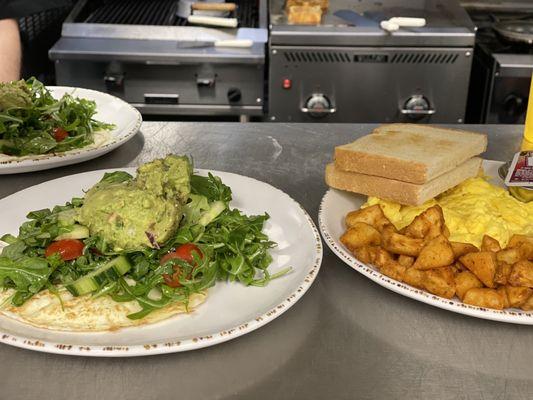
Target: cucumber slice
x=214 y=211
x=111 y=270
x=67 y=217
x=77 y=232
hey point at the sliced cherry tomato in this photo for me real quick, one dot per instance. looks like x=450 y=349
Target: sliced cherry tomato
x=68 y=249
x=173 y=280
x=60 y=134
x=184 y=252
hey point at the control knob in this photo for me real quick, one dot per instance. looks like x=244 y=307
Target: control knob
x=318 y=106
x=417 y=107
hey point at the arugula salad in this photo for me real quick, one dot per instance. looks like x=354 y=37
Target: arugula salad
x=33 y=122
x=155 y=239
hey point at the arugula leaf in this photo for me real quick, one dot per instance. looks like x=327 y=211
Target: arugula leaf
x=211 y=187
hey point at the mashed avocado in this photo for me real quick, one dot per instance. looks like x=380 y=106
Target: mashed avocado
x=142 y=212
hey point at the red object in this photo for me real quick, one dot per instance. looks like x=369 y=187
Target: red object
x=60 y=134
x=184 y=252
x=68 y=249
x=287 y=83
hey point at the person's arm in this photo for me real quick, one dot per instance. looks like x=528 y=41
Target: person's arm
x=10 y=50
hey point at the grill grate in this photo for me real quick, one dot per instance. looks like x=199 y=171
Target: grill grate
x=158 y=12
x=344 y=57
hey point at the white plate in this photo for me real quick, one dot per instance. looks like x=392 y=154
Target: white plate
x=231 y=309
x=110 y=109
x=334 y=207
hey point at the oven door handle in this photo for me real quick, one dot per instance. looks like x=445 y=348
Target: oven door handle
x=429 y=111
x=319 y=110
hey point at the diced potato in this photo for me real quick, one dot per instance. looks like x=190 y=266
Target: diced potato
x=464 y=281
x=382 y=257
x=526 y=251
x=488 y=243
x=406 y=261
x=414 y=277
x=522 y=274
x=460 y=249
x=517 y=240
x=509 y=256
x=503 y=270
x=517 y=295
x=457 y=267
x=503 y=293
x=372 y=215
x=528 y=305
x=359 y=235
x=401 y=244
x=483 y=297
x=440 y=282
x=366 y=254
x=393 y=270
x=436 y=253
x=427 y=225
x=482 y=265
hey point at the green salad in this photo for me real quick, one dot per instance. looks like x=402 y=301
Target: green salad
x=33 y=122
x=166 y=230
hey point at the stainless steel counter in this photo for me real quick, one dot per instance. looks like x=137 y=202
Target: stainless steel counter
x=347 y=338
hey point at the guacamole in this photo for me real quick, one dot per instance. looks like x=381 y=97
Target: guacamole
x=143 y=212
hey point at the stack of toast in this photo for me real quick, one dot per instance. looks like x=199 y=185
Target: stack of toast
x=406 y=163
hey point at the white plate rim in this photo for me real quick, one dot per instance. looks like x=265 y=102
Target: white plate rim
x=511 y=315
x=189 y=344
x=52 y=160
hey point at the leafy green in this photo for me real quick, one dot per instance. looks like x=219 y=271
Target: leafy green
x=29 y=115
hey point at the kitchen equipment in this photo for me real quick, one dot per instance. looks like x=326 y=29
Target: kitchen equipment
x=237 y=43
x=213 y=9
x=355 y=71
x=502 y=63
x=145 y=54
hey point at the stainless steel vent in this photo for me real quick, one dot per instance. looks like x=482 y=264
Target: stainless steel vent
x=317 y=56
x=424 y=58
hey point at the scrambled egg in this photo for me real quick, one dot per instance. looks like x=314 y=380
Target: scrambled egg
x=471 y=209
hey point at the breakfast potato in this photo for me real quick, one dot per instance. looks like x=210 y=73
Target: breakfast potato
x=482 y=265
x=464 y=281
x=483 y=297
x=517 y=240
x=488 y=243
x=460 y=249
x=503 y=270
x=406 y=261
x=509 y=256
x=522 y=274
x=366 y=254
x=393 y=269
x=414 y=277
x=372 y=215
x=359 y=235
x=382 y=257
x=436 y=253
x=427 y=225
x=458 y=267
x=445 y=232
x=503 y=294
x=528 y=305
x=526 y=251
x=401 y=244
x=440 y=282
x=517 y=295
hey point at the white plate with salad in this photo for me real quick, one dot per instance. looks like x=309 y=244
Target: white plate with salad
x=48 y=127
x=130 y=263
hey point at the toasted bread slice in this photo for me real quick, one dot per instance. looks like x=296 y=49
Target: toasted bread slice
x=409 y=152
x=401 y=192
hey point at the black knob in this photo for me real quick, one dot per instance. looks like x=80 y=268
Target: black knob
x=234 y=95
x=513 y=108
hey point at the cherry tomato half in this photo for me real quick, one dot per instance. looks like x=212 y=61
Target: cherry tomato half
x=68 y=249
x=59 y=134
x=185 y=253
